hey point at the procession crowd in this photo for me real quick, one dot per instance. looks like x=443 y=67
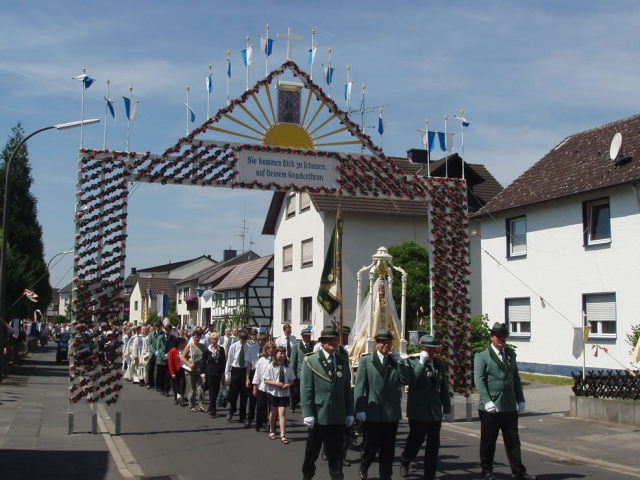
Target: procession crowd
x=260 y=379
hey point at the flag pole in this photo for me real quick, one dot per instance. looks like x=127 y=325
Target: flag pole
x=462 y=134
x=446 y=156
x=228 y=73
x=362 y=117
x=348 y=90
x=426 y=129
x=380 y=121
x=313 y=33
x=338 y=261
x=84 y=71
x=188 y=109
x=266 y=65
x=329 y=71
x=246 y=52
x=129 y=115
x=209 y=94
x=106 y=112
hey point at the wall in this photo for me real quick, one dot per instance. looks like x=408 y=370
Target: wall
x=560 y=270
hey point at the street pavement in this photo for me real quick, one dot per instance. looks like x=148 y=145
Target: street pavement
x=161 y=441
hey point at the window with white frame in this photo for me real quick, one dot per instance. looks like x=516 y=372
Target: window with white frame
x=135 y=306
x=232 y=298
x=516 y=237
x=600 y=314
x=306 y=304
x=286 y=310
x=305 y=202
x=518 y=316
x=241 y=299
x=291 y=205
x=307 y=252
x=596 y=216
x=287 y=258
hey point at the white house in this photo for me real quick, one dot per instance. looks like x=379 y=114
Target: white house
x=138 y=297
x=560 y=250
x=303 y=224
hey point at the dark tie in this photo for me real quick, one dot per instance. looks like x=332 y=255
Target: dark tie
x=241 y=357
x=330 y=362
x=281 y=374
x=384 y=362
x=260 y=353
x=288 y=348
x=306 y=347
x=501 y=356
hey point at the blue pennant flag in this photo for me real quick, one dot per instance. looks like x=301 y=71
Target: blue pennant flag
x=247 y=55
x=380 y=126
x=442 y=141
x=130 y=108
x=432 y=141
x=266 y=44
x=85 y=79
x=110 y=107
x=328 y=73
x=347 y=90
x=192 y=116
x=312 y=54
x=228 y=68
x=209 y=83
x=462 y=120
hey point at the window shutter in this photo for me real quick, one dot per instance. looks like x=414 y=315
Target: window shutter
x=291 y=205
x=601 y=307
x=307 y=252
x=519 y=310
x=287 y=256
x=305 y=201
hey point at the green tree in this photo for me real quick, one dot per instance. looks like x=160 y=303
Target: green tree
x=413 y=259
x=632 y=338
x=26 y=267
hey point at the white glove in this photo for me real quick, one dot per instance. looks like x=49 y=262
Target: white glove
x=490 y=407
x=349 y=421
x=397 y=357
x=164 y=357
x=446 y=417
x=361 y=416
x=309 y=421
x=424 y=356
x=522 y=407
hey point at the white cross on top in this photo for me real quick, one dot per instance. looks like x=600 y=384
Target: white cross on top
x=290 y=39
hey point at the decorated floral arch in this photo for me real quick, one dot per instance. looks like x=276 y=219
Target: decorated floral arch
x=101 y=220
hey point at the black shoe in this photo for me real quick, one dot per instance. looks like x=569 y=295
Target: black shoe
x=526 y=476
x=293 y=409
x=324 y=457
x=229 y=416
x=346 y=463
x=362 y=474
x=404 y=469
x=489 y=476
x=167 y=394
x=148 y=387
x=247 y=423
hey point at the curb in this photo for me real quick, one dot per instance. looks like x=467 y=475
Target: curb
x=126 y=463
x=531 y=447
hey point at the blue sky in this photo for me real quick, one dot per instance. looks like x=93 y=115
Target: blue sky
x=526 y=73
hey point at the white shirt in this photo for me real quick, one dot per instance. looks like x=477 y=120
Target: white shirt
x=501 y=355
x=272 y=373
x=225 y=342
x=282 y=341
x=234 y=355
x=258 y=377
x=381 y=357
x=254 y=355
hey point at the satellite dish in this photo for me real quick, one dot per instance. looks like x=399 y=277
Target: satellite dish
x=206 y=295
x=616 y=144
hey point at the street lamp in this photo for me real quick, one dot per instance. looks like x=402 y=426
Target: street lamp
x=3 y=250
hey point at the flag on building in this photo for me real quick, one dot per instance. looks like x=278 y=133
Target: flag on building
x=329 y=294
x=110 y=107
x=380 y=126
x=30 y=295
x=347 y=90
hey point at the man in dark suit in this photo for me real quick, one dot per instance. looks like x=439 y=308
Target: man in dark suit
x=300 y=349
x=327 y=404
x=378 y=403
x=501 y=398
x=427 y=400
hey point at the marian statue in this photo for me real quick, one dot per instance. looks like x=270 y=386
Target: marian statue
x=384 y=316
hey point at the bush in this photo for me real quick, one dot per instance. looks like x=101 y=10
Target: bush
x=632 y=338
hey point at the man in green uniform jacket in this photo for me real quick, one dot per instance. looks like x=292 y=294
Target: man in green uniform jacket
x=496 y=377
x=327 y=404
x=151 y=364
x=299 y=350
x=378 y=397
x=427 y=400
x=164 y=343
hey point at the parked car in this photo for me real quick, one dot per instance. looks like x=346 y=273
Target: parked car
x=63 y=347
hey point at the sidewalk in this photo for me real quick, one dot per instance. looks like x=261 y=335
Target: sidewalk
x=545 y=429
x=34 y=442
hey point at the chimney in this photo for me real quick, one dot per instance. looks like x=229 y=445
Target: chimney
x=229 y=254
x=133 y=270
x=418 y=155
